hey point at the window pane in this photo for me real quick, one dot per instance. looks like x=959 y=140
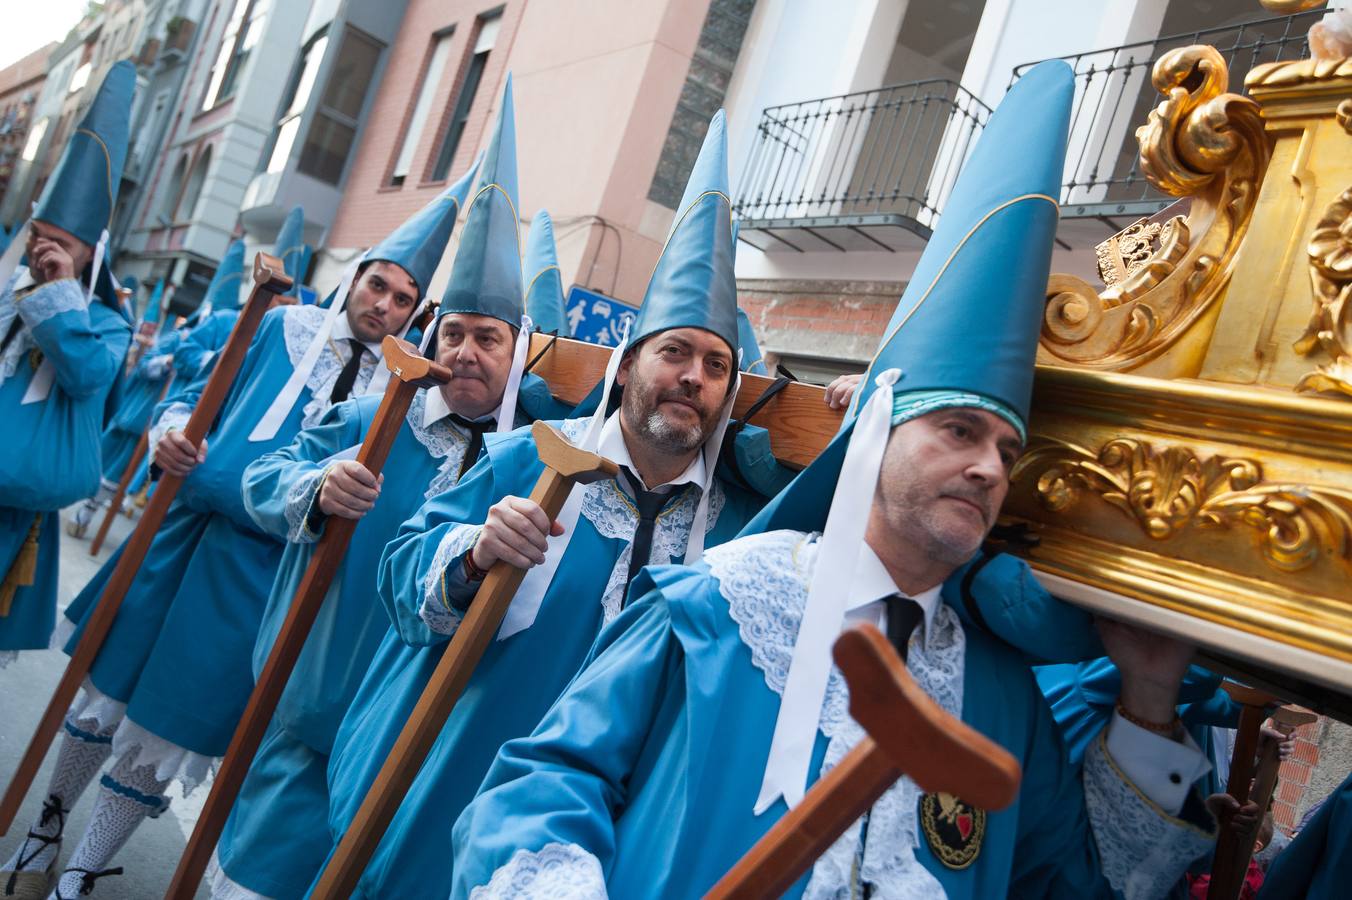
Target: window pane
x=435 y=66
x=326 y=148
x=351 y=75
x=314 y=55
x=463 y=104
x=281 y=150
x=488 y=34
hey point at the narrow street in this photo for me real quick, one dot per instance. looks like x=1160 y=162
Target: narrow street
x=150 y=856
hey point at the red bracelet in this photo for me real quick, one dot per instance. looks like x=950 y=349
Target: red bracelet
x=472 y=571
x=1168 y=730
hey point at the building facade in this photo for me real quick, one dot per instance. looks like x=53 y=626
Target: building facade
x=20 y=87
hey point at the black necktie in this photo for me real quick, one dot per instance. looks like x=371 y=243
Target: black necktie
x=476 y=438
x=348 y=377
x=649 y=504
x=903 y=614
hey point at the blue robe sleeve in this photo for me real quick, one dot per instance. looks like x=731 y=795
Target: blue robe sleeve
x=85 y=343
x=199 y=344
x=281 y=487
x=420 y=579
x=549 y=802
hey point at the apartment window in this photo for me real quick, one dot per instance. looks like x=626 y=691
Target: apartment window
x=333 y=131
x=169 y=202
x=483 y=46
x=436 y=65
x=35 y=135
x=301 y=88
x=187 y=207
x=242 y=31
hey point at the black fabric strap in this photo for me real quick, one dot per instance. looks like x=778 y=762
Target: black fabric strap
x=15 y=324
x=476 y=439
x=342 y=388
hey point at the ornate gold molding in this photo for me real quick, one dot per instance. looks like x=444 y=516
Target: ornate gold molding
x=1287 y=7
x=1200 y=142
x=1170 y=491
x=1330 y=327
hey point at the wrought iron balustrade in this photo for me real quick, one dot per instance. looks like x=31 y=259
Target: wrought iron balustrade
x=885 y=157
x=1114 y=95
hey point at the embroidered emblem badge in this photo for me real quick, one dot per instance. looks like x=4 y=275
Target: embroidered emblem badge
x=954 y=829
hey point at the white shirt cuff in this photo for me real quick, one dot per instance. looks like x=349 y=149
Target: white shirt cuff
x=1162 y=769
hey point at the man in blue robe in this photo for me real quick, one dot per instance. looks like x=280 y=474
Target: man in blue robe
x=677 y=369
x=172 y=678
x=1317 y=864
x=62 y=342
x=711 y=704
x=277 y=836
x=141 y=392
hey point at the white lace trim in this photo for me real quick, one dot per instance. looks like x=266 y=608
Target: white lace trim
x=555 y=872
x=442 y=440
x=614 y=516
x=296 y=507
x=222 y=888
x=174 y=417
x=92 y=703
x=435 y=611
x=1141 y=849
x=299 y=326
x=765 y=581
x=169 y=759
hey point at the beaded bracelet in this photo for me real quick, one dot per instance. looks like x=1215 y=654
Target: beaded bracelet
x=472 y=571
x=1167 y=730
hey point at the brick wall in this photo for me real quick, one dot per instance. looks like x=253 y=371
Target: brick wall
x=1294 y=776
x=821 y=319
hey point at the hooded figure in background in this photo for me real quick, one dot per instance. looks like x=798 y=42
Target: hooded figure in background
x=544 y=283
x=171 y=680
x=716 y=684
x=63 y=338
x=678 y=376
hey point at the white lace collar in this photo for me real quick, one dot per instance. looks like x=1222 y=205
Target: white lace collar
x=442 y=439
x=764 y=578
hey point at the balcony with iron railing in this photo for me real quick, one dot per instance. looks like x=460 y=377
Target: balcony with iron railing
x=1114 y=96
x=872 y=170
x=861 y=171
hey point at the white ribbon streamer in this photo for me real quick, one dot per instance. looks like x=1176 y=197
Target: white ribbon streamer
x=786 y=768
x=272 y=420
x=525 y=605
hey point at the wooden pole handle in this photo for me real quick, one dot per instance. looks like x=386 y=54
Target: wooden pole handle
x=565 y=466
x=410 y=371
x=908 y=734
x=269 y=280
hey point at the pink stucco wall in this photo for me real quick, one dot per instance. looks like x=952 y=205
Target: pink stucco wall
x=595 y=83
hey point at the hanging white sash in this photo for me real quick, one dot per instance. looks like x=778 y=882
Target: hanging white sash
x=272 y=420
x=786 y=768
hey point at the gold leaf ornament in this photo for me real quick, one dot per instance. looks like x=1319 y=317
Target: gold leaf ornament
x=1171 y=490
x=1330 y=325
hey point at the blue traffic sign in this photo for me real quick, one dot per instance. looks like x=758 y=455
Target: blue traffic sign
x=596 y=318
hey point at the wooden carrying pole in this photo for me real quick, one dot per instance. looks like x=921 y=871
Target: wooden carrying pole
x=410 y=372
x=565 y=465
x=137 y=455
x=908 y=734
x=1225 y=881
x=1227 y=874
x=269 y=280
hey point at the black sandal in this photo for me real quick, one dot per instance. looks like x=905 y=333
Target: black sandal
x=51 y=809
x=87 y=880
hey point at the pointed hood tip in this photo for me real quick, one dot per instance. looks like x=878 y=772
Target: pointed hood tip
x=543 y=280
x=486 y=275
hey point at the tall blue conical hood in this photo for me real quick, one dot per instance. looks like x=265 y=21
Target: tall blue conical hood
x=291 y=248
x=753 y=360
x=223 y=291
x=82 y=189
x=971 y=314
x=693 y=284
x=486 y=275
x=544 y=283
x=418 y=245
